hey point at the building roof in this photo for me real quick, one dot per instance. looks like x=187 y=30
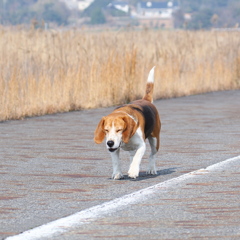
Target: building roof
x=120 y=3
x=152 y=5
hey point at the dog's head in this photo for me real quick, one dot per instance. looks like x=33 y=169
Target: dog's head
x=117 y=129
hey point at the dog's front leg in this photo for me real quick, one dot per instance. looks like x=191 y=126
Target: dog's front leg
x=117 y=174
x=133 y=171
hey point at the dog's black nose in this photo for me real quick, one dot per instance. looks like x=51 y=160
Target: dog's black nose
x=110 y=143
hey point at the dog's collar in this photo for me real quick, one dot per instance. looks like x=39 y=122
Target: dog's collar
x=133 y=118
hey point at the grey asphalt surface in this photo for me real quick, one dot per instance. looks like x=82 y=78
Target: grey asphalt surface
x=51 y=168
x=204 y=207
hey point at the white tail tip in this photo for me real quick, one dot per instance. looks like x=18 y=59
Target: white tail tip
x=151 y=75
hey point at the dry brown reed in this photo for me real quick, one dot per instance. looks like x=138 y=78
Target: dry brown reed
x=44 y=72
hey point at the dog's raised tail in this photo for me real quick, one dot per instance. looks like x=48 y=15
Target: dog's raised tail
x=149 y=87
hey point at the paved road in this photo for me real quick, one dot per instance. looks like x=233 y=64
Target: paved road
x=50 y=168
x=204 y=205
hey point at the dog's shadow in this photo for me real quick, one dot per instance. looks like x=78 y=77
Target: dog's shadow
x=144 y=175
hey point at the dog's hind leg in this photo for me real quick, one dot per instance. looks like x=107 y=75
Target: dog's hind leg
x=151 y=164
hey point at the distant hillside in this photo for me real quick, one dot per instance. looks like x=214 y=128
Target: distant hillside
x=203 y=13
x=193 y=14
x=212 y=13
x=14 y=12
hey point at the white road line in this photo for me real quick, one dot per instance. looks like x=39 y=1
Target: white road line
x=86 y=216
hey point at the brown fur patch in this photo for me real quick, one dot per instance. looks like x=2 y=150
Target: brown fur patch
x=149 y=92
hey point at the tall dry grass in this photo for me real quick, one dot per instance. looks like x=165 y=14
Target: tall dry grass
x=57 y=71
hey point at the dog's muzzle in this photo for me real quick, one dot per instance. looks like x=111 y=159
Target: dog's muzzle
x=110 y=145
x=113 y=149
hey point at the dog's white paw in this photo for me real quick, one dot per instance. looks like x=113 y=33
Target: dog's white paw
x=117 y=176
x=151 y=172
x=133 y=173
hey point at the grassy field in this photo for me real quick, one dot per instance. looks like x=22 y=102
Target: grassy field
x=43 y=72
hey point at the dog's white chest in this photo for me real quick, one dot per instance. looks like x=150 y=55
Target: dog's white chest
x=135 y=141
x=129 y=147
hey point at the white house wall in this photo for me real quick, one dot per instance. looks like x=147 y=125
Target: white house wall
x=160 y=13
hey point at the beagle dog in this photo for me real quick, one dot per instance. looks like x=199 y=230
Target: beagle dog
x=127 y=127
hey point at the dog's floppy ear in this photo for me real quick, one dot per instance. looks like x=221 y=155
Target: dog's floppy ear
x=129 y=130
x=99 y=132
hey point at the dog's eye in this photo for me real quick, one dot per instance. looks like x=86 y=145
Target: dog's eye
x=119 y=130
x=106 y=130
